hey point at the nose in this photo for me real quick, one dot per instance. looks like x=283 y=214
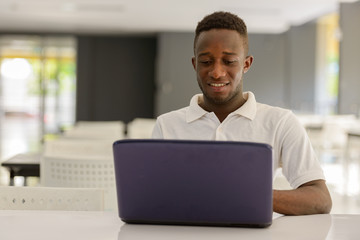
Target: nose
x=217 y=71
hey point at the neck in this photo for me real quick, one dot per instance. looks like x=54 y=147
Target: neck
x=222 y=110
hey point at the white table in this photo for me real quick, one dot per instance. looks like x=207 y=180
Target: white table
x=38 y=225
x=23 y=164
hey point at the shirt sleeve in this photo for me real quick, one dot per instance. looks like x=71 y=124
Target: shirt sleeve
x=299 y=161
x=157 y=132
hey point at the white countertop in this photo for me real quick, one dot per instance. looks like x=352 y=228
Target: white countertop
x=38 y=225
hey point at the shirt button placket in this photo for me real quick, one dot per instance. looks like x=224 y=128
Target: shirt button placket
x=220 y=133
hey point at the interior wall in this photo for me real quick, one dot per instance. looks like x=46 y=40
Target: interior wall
x=176 y=80
x=115 y=78
x=301 y=67
x=349 y=79
x=266 y=77
x=118 y=77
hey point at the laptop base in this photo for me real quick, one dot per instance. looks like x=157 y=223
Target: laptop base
x=208 y=224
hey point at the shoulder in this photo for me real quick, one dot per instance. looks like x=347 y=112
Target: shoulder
x=169 y=122
x=276 y=113
x=281 y=119
x=173 y=115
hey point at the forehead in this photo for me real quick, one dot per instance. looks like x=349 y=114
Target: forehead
x=221 y=39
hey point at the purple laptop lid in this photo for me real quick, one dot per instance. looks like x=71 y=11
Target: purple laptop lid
x=194 y=182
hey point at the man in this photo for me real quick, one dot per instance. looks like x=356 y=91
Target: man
x=224 y=112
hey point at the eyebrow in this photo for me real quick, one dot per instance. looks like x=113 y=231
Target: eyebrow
x=229 y=53
x=226 y=53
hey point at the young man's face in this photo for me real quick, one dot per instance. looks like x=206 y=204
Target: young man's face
x=220 y=62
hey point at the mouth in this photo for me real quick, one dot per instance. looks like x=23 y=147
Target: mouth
x=218 y=84
x=218 y=87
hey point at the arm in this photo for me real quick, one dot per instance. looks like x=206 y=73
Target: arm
x=310 y=198
x=302 y=169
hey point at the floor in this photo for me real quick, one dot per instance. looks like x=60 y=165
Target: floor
x=21 y=134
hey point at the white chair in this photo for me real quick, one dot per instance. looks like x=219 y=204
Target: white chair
x=310 y=120
x=328 y=134
x=112 y=130
x=353 y=140
x=334 y=131
x=44 y=198
x=81 y=148
x=80 y=163
x=140 y=128
x=100 y=124
x=81 y=173
x=313 y=125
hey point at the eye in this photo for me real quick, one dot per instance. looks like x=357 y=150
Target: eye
x=229 y=62
x=205 y=62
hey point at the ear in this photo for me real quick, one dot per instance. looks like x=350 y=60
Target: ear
x=247 y=63
x=193 y=61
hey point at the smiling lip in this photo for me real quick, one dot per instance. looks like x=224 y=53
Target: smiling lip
x=218 y=84
x=218 y=87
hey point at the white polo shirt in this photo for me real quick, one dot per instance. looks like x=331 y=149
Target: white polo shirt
x=252 y=122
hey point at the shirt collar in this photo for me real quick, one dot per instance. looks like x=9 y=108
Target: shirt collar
x=194 y=111
x=248 y=109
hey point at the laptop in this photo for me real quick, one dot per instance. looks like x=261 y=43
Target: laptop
x=191 y=182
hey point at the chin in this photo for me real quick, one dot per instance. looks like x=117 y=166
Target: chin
x=220 y=99
x=217 y=100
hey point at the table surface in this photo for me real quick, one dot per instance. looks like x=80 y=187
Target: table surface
x=23 y=164
x=23 y=159
x=31 y=225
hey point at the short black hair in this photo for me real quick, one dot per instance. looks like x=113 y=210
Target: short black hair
x=222 y=20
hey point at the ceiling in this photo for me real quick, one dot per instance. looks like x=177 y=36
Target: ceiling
x=149 y=16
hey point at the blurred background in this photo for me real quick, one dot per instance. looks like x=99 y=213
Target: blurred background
x=62 y=62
